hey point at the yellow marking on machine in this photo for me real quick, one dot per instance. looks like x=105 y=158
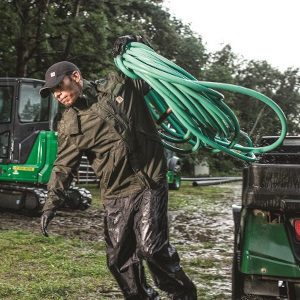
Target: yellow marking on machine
x=30 y=169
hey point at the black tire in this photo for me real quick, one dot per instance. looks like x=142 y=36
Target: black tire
x=237 y=277
x=293 y=290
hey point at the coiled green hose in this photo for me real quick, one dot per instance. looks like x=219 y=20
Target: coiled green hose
x=190 y=112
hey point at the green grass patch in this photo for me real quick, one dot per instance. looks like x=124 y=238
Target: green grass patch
x=188 y=195
x=49 y=268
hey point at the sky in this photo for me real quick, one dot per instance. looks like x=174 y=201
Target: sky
x=256 y=29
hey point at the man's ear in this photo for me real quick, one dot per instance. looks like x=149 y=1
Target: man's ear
x=76 y=76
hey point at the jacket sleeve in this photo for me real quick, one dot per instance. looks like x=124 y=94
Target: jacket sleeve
x=64 y=169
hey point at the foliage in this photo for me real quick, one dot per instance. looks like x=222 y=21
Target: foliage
x=44 y=32
x=259 y=76
x=220 y=164
x=29 y=110
x=37 y=33
x=288 y=97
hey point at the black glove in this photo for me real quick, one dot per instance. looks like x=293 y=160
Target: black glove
x=46 y=218
x=121 y=42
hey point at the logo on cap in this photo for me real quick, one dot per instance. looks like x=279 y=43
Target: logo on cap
x=52 y=74
x=119 y=99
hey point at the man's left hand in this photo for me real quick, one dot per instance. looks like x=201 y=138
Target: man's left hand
x=46 y=218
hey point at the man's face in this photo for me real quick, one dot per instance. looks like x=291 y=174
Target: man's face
x=68 y=90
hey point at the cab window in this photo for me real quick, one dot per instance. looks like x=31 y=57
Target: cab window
x=6 y=94
x=32 y=107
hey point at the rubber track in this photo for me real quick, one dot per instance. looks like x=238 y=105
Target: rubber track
x=40 y=192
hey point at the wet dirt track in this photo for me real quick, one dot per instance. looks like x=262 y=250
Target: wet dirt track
x=195 y=224
x=85 y=225
x=209 y=223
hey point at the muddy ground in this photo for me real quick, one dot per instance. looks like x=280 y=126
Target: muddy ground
x=85 y=225
x=190 y=227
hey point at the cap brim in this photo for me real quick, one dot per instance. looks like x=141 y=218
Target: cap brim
x=53 y=82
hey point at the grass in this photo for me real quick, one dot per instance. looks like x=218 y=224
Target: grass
x=187 y=195
x=34 y=267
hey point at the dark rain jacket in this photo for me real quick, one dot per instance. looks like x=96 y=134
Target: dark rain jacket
x=111 y=124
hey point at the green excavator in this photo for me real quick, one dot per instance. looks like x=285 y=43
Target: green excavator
x=28 y=147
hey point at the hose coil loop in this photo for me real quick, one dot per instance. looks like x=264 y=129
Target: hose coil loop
x=191 y=112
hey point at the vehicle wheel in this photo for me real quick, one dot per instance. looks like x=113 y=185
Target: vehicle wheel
x=293 y=290
x=237 y=278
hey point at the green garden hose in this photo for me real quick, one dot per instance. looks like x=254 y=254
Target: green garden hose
x=191 y=112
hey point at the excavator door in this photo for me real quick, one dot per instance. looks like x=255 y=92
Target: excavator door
x=23 y=114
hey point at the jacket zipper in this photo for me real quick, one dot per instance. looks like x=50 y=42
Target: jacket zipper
x=112 y=107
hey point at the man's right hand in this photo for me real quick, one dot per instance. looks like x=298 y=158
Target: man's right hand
x=46 y=218
x=121 y=42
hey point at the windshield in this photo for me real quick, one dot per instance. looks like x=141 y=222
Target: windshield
x=32 y=107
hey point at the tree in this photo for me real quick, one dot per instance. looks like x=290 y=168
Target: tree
x=43 y=32
x=283 y=88
x=37 y=33
x=288 y=98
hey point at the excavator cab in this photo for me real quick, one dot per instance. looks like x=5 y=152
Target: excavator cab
x=28 y=146
x=23 y=114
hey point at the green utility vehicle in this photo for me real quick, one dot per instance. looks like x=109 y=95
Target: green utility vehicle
x=266 y=262
x=28 y=147
x=174 y=170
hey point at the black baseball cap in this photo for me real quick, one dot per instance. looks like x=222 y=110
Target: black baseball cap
x=55 y=75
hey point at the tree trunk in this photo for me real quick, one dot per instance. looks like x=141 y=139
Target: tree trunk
x=257 y=120
x=70 y=37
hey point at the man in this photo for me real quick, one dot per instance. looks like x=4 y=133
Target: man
x=110 y=123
